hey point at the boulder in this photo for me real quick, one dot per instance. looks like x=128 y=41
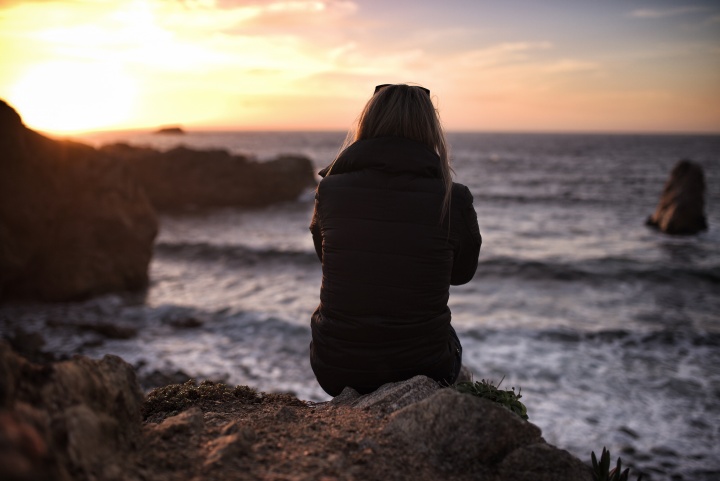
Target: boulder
x=457 y=430
x=73 y=222
x=70 y=420
x=461 y=433
x=184 y=178
x=542 y=462
x=681 y=210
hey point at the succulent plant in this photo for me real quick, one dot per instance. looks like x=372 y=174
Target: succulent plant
x=509 y=399
x=601 y=470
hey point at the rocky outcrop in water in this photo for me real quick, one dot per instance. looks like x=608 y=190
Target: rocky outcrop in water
x=177 y=130
x=184 y=178
x=83 y=420
x=681 y=209
x=73 y=222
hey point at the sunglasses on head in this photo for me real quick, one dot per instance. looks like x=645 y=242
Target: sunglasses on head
x=380 y=87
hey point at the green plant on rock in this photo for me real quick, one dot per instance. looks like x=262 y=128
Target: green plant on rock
x=508 y=399
x=601 y=470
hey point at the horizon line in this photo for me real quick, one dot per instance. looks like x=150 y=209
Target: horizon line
x=191 y=130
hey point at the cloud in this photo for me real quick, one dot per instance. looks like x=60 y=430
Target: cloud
x=292 y=12
x=310 y=19
x=666 y=12
x=571 y=66
x=502 y=54
x=12 y=3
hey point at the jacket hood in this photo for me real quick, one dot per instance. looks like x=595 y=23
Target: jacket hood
x=396 y=155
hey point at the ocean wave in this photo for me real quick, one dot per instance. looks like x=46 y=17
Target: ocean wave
x=621 y=337
x=204 y=251
x=599 y=270
x=563 y=199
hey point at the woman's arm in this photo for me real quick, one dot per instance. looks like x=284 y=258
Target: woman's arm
x=315 y=230
x=467 y=248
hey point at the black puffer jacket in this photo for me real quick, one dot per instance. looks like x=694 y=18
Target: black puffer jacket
x=388 y=264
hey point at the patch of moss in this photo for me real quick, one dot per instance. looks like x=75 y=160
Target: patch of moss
x=283 y=399
x=170 y=400
x=508 y=399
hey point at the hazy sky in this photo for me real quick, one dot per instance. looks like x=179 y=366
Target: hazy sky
x=509 y=65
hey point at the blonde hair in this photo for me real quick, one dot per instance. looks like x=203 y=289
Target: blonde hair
x=405 y=111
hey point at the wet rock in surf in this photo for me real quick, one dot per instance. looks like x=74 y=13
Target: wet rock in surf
x=681 y=210
x=73 y=222
x=183 y=178
x=110 y=330
x=157 y=378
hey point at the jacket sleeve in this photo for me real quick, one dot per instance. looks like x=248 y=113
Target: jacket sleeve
x=315 y=230
x=467 y=247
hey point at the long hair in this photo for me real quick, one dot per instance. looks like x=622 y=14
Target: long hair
x=405 y=111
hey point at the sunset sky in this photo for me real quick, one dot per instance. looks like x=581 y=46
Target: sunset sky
x=511 y=65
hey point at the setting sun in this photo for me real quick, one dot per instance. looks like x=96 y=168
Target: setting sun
x=70 y=97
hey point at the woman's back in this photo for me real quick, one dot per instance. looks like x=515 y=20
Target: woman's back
x=389 y=254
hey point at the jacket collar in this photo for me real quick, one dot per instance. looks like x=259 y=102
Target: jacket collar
x=395 y=155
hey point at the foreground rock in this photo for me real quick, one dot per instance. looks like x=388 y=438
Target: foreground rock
x=185 y=178
x=460 y=433
x=73 y=222
x=70 y=420
x=81 y=419
x=681 y=209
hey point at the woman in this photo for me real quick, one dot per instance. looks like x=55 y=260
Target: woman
x=393 y=233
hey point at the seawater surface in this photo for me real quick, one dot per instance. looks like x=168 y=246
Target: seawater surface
x=611 y=330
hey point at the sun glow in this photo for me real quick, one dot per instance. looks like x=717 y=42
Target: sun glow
x=71 y=97
x=70 y=65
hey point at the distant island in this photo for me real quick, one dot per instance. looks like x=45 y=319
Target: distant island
x=170 y=130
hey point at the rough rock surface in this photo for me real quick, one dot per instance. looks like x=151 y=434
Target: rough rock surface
x=73 y=223
x=460 y=432
x=69 y=420
x=445 y=426
x=681 y=209
x=184 y=178
x=83 y=420
x=390 y=397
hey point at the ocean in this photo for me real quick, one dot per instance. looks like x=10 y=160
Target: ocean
x=610 y=330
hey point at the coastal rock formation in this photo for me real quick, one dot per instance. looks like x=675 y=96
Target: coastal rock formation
x=83 y=419
x=681 y=209
x=184 y=178
x=73 y=222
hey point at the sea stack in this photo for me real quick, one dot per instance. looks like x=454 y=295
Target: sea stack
x=681 y=210
x=73 y=222
x=176 y=130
